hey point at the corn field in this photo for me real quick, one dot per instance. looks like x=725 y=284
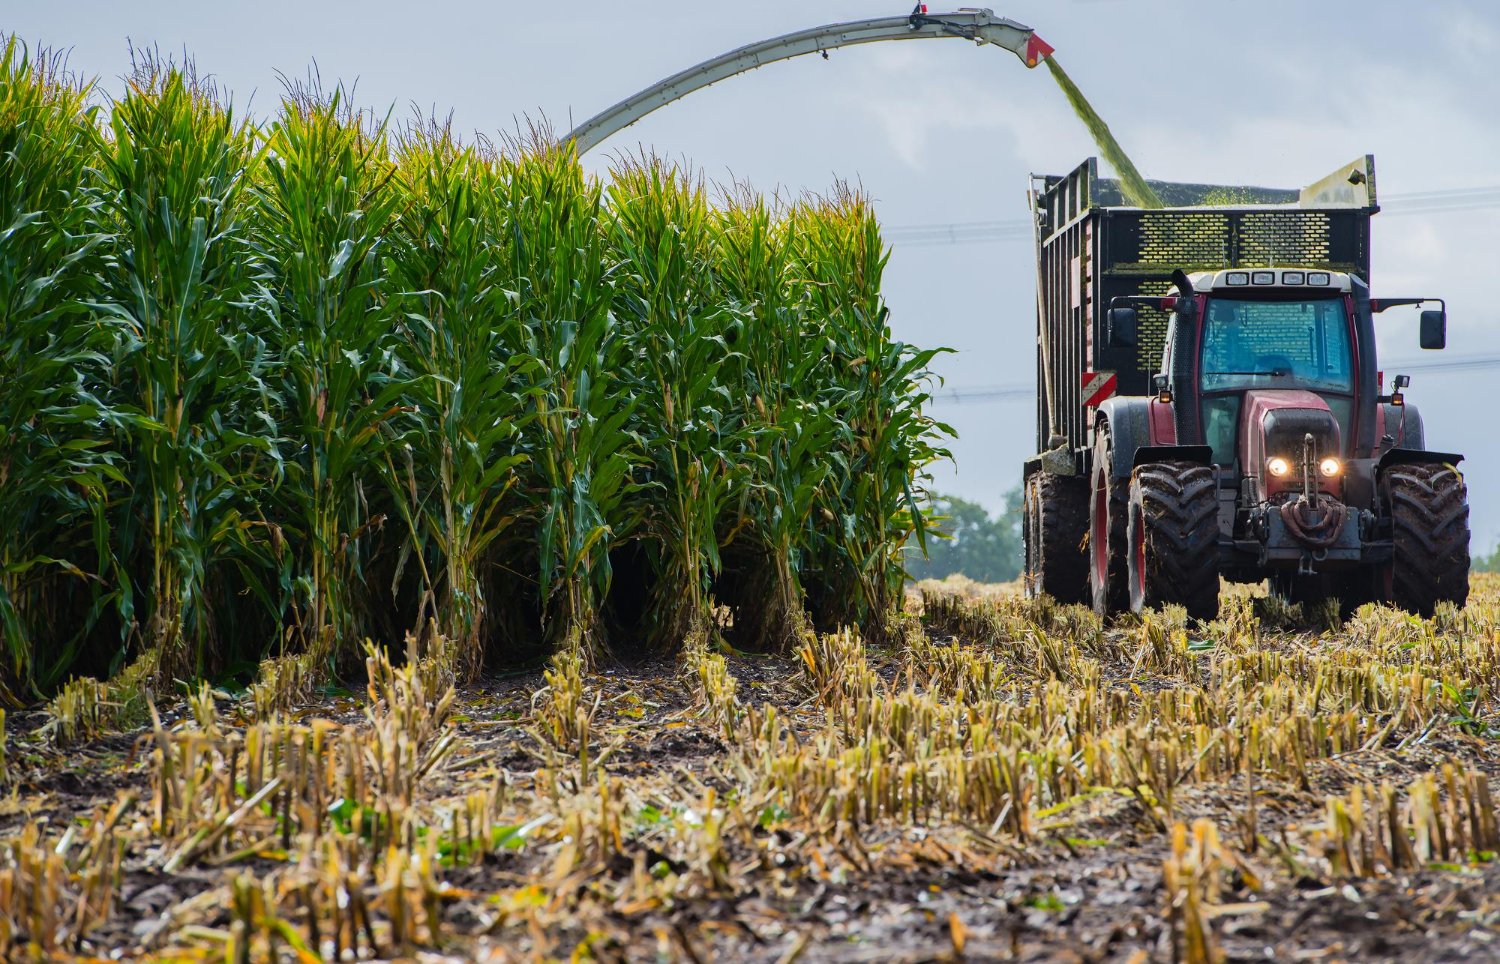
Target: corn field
x=274 y=387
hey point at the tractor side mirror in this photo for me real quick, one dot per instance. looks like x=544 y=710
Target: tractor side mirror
x=1121 y=328
x=1435 y=329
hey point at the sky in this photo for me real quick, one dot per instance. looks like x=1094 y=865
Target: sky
x=1274 y=92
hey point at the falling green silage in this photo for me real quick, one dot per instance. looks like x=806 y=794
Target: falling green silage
x=1136 y=190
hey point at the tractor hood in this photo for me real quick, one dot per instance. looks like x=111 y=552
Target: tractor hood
x=1275 y=424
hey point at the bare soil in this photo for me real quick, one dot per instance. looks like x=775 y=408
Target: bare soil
x=1091 y=890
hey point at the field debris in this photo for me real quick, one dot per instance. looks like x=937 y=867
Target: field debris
x=1002 y=778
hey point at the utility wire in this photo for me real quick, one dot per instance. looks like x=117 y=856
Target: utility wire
x=967 y=395
x=982 y=232
x=986 y=232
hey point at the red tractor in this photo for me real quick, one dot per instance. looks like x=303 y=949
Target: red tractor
x=1211 y=406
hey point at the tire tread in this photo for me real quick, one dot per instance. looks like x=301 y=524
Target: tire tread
x=1057 y=522
x=1179 y=504
x=1430 y=536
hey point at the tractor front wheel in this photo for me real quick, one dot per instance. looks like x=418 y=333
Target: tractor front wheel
x=1173 y=536
x=1429 y=506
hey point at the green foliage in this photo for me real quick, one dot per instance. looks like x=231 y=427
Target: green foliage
x=1487 y=563
x=56 y=465
x=181 y=291
x=982 y=547
x=462 y=345
x=327 y=203
x=876 y=389
x=580 y=449
x=281 y=388
x=697 y=446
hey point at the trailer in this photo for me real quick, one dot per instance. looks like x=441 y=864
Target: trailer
x=1209 y=404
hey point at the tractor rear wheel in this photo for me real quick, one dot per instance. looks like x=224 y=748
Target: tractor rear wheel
x=1173 y=538
x=1108 y=498
x=1429 y=506
x=1057 y=522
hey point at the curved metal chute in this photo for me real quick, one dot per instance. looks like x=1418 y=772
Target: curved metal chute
x=979 y=26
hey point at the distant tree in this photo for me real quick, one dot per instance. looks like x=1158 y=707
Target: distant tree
x=1489 y=563
x=970 y=541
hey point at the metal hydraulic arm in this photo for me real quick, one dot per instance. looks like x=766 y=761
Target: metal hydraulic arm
x=980 y=26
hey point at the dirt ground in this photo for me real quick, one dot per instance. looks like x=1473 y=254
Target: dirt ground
x=657 y=814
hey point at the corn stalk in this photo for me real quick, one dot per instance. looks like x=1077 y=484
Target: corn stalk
x=181 y=284
x=327 y=205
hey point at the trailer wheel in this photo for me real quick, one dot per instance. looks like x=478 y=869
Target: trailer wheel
x=1429 y=506
x=1057 y=524
x=1108 y=508
x=1173 y=535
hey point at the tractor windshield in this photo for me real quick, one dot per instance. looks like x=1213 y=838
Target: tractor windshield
x=1267 y=345
x=1277 y=344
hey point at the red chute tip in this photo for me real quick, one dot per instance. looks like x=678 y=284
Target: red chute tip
x=1037 y=50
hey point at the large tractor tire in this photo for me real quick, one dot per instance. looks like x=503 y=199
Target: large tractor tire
x=1173 y=538
x=1108 y=498
x=1056 y=525
x=1429 y=506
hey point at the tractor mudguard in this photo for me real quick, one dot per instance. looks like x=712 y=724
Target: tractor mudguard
x=1195 y=454
x=1129 y=420
x=1402 y=424
x=1417 y=457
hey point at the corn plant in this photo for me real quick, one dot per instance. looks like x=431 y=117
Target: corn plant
x=462 y=346
x=56 y=469
x=579 y=452
x=696 y=444
x=792 y=433
x=876 y=388
x=327 y=205
x=233 y=352
x=181 y=280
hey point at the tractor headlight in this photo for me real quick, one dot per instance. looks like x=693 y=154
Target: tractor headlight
x=1330 y=467
x=1278 y=466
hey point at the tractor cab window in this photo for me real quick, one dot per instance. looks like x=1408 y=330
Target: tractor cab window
x=1270 y=345
x=1277 y=344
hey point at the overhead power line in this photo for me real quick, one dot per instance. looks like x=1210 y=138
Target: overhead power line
x=1444 y=365
x=985 y=393
x=1016 y=391
x=1017 y=229
x=972 y=232
x=1431 y=202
